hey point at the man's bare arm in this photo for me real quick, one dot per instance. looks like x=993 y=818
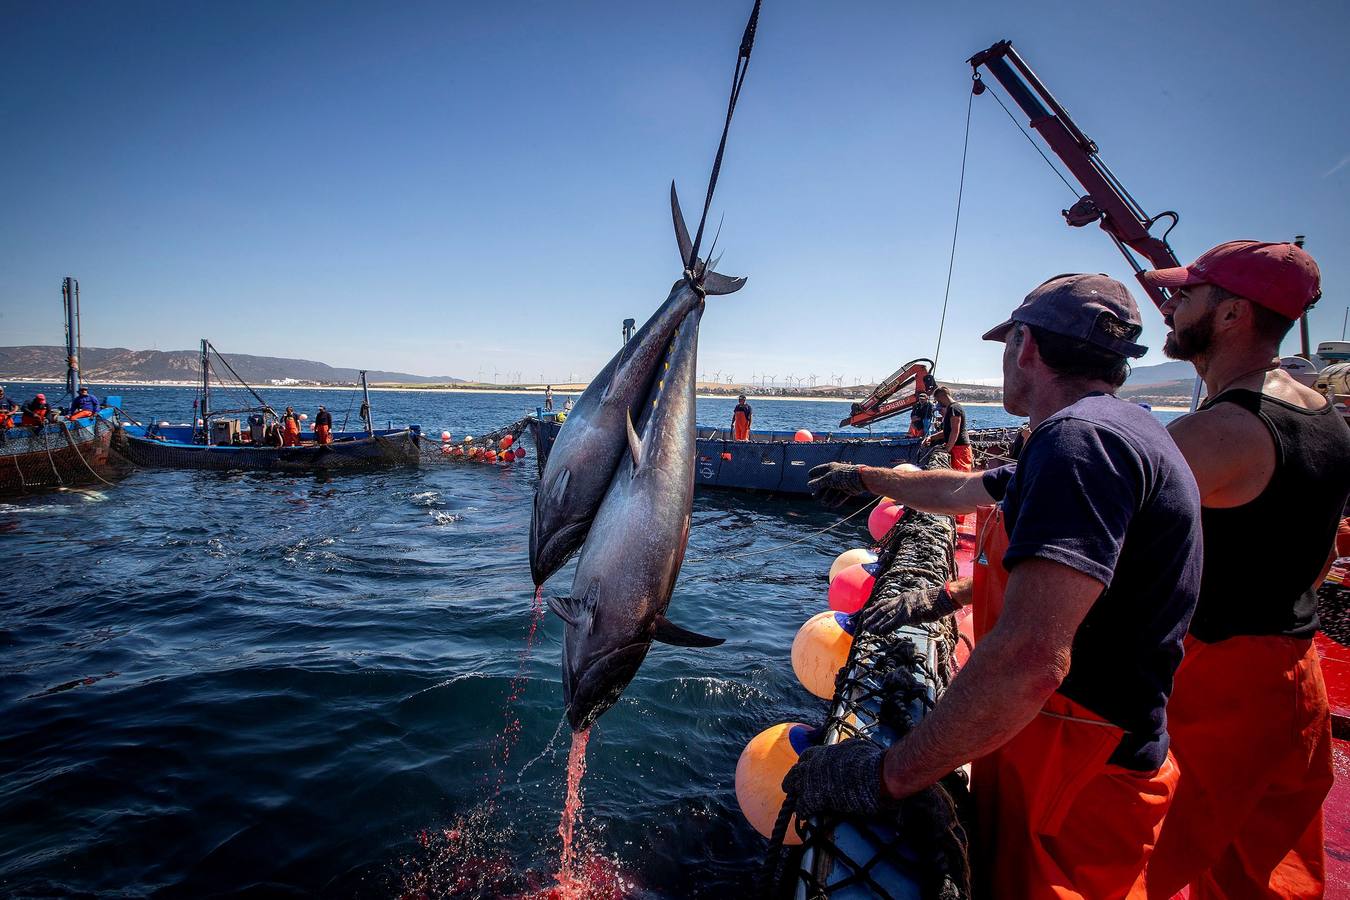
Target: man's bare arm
x=942 y=491
x=1229 y=451
x=957 y=421
x=1006 y=681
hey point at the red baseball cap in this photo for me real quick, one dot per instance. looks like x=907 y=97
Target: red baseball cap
x=1281 y=277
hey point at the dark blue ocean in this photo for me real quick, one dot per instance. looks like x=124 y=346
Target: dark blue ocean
x=264 y=685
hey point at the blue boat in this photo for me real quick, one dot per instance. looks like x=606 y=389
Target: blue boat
x=220 y=441
x=771 y=461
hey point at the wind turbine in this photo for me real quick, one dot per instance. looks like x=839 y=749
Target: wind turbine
x=717 y=375
x=813 y=378
x=730 y=378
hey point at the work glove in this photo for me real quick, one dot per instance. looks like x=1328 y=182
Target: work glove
x=844 y=778
x=910 y=608
x=833 y=483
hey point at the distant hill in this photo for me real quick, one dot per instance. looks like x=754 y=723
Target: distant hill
x=120 y=364
x=1163 y=373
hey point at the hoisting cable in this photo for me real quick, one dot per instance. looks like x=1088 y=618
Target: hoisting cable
x=857 y=512
x=951 y=261
x=246 y=385
x=980 y=89
x=737 y=79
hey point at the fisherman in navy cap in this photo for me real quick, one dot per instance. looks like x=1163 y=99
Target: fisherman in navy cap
x=1249 y=715
x=1087 y=578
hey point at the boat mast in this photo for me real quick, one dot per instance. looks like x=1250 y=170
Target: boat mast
x=70 y=293
x=365 y=404
x=206 y=387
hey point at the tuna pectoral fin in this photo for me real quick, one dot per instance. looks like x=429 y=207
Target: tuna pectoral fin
x=577 y=612
x=634 y=442
x=667 y=632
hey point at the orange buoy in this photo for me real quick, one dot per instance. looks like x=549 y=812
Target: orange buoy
x=507 y=441
x=490 y=456
x=726 y=457
x=850 y=558
x=820 y=650
x=883 y=518
x=760 y=771
x=506 y=456
x=851 y=588
x=445 y=449
x=803 y=436
x=457 y=451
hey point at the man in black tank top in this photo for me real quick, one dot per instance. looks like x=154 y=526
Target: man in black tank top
x=1248 y=716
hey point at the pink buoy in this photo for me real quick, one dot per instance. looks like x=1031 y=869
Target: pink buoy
x=507 y=441
x=445 y=436
x=883 y=518
x=490 y=456
x=803 y=436
x=445 y=449
x=520 y=453
x=851 y=587
x=850 y=558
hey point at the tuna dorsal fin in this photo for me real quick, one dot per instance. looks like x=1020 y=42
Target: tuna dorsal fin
x=634 y=442
x=667 y=632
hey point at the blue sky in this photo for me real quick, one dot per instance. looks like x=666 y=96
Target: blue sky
x=453 y=188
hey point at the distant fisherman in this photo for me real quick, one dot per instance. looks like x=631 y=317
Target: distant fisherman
x=323 y=426
x=7 y=408
x=35 y=411
x=740 y=420
x=1082 y=594
x=952 y=434
x=1249 y=715
x=290 y=428
x=548 y=398
x=920 y=415
x=83 y=406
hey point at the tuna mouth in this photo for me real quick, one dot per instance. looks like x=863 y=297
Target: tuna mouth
x=599 y=684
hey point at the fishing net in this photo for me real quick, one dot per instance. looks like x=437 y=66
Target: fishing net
x=62 y=454
x=444 y=451
x=889 y=682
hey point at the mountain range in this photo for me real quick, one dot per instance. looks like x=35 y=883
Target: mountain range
x=119 y=364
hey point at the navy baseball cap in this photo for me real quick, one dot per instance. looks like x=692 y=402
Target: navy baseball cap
x=1092 y=308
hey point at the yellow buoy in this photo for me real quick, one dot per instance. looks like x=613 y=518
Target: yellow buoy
x=820 y=650
x=760 y=771
x=850 y=558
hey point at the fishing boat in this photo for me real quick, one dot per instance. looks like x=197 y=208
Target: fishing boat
x=219 y=440
x=61 y=452
x=778 y=461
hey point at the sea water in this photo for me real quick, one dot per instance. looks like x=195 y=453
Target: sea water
x=215 y=682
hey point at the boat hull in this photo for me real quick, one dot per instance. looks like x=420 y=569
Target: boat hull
x=58 y=455
x=770 y=461
x=163 y=448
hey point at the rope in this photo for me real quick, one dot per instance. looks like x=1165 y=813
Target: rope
x=46 y=445
x=65 y=429
x=806 y=537
x=737 y=80
x=1052 y=166
x=951 y=261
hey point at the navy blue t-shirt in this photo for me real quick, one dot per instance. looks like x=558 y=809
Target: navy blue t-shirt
x=1101 y=488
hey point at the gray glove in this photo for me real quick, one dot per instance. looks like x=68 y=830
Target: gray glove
x=844 y=778
x=833 y=483
x=909 y=608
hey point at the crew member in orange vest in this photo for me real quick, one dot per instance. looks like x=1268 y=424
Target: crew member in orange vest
x=1249 y=715
x=323 y=426
x=1090 y=572
x=740 y=420
x=290 y=428
x=7 y=407
x=35 y=411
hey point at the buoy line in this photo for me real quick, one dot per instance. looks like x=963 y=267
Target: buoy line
x=799 y=540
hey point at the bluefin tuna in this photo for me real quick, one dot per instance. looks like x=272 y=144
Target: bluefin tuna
x=588 y=448
x=631 y=558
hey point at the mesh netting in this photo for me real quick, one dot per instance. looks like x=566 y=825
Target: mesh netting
x=887 y=685
x=58 y=455
x=444 y=451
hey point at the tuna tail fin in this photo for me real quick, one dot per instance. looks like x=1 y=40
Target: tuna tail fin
x=667 y=632
x=711 y=282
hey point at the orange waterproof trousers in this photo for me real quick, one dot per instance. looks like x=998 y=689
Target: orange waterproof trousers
x=290 y=433
x=1054 y=818
x=1251 y=728
x=740 y=427
x=323 y=434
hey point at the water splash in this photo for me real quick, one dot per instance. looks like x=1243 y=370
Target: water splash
x=509 y=736
x=547 y=751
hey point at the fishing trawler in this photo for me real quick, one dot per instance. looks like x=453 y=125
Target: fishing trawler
x=61 y=451
x=222 y=441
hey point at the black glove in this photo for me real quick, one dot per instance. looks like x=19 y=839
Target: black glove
x=833 y=483
x=844 y=778
x=909 y=608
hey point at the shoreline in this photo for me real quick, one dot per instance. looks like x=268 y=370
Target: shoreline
x=559 y=396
